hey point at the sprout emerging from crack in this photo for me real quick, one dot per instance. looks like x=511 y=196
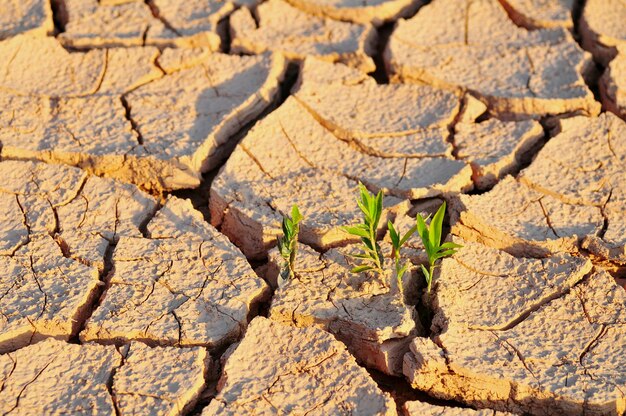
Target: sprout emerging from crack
x=288 y=243
x=371 y=257
x=372 y=207
x=397 y=242
x=431 y=238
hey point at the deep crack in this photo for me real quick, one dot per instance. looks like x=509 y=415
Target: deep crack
x=133 y=124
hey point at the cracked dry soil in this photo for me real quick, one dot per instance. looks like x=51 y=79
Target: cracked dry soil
x=149 y=149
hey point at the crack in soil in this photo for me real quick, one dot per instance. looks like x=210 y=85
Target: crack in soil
x=383 y=33
x=401 y=391
x=155 y=13
x=17 y=399
x=133 y=124
x=399 y=388
x=98 y=296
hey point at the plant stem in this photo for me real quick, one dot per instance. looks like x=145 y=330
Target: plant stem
x=375 y=246
x=398 y=277
x=431 y=269
x=294 y=251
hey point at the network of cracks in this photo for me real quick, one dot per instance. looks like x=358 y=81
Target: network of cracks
x=150 y=149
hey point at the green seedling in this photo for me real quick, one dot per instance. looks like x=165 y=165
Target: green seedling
x=288 y=244
x=431 y=237
x=372 y=207
x=397 y=242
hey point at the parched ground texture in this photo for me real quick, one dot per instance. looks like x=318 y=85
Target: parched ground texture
x=149 y=150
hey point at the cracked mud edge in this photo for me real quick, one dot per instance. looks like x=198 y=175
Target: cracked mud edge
x=401 y=391
x=199 y=196
x=122 y=352
x=149 y=172
x=521 y=248
x=290 y=79
x=155 y=13
x=223 y=31
x=133 y=124
x=98 y=295
x=23 y=389
x=593 y=74
x=193 y=406
x=210 y=377
x=383 y=33
x=475 y=229
x=358 y=146
x=512 y=397
x=90 y=163
x=463 y=109
x=109 y=384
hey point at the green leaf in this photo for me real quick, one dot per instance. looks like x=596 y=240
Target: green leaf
x=282 y=247
x=371 y=207
x=422 y=230
x=288 y=243
x=359 y=269
x=362 y=227
x=360 y=256
x=408 y=235
x=378 y=250
x=442 y=254
x=296 y=217
x=401 y=272
x=378 y=209
x=434 y=232
x=426 y=274
x=363 y=206
x=356 y=231
x=367 y=198
x=364 y=192
x=287 y=227
x=395 y=239
x=420 y=224
x=450 y=245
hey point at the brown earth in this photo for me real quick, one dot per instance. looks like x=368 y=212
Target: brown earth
x=92 y=24
x=144 y=143
x=602 y=28
x=613 y=84
x=277 y=26
x=476 y=48
x=30 y=16
x=97 y=379
x=296 y=371
x=366 y=312
x=87 y=110
x=547 y=352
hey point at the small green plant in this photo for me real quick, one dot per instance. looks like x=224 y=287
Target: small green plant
x=372 y=207
x=371 y=257
x=431 y=237
x=397 y=242
x=288 y=244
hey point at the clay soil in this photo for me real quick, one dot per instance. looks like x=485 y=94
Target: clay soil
x=150 y=149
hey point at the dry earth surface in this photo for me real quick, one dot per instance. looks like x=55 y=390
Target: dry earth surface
x=475 y=47
x=149 y=150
